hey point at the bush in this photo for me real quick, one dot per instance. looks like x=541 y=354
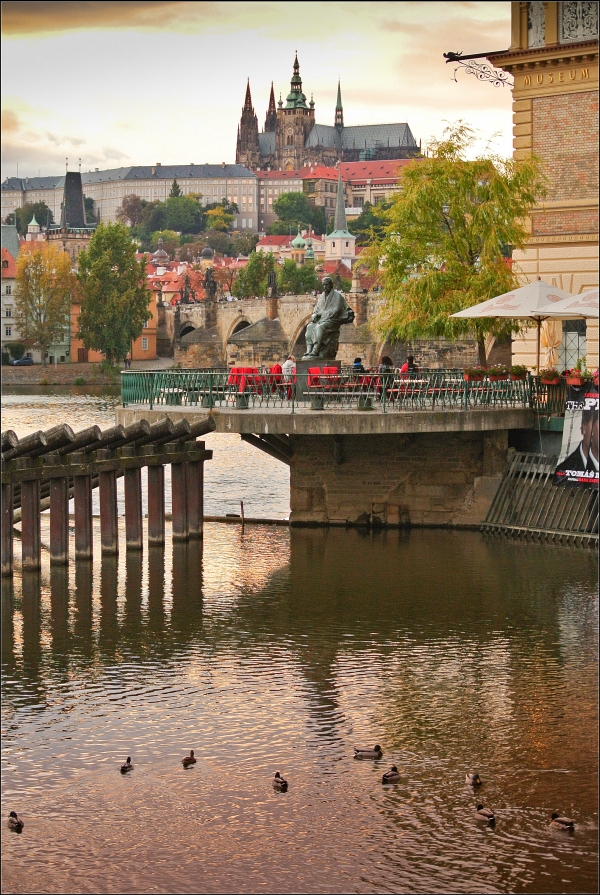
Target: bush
x=16 y=350
x=79 y=380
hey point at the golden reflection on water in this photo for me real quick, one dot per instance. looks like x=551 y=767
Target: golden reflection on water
x=280 y=650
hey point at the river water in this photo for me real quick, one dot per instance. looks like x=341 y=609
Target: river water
x=279 y=650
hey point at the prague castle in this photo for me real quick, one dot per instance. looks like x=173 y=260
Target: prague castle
x=291 y=139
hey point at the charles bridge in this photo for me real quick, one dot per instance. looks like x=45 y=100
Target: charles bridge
x=263 y=331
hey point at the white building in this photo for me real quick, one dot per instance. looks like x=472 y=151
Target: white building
x=108 y=189
x=340 y=244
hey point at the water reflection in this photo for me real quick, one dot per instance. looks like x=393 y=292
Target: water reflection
x=280 y=650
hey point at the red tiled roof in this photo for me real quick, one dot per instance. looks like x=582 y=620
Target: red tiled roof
x=338 y=267
x=10 y=271
x=275 y=240
x=279 y=175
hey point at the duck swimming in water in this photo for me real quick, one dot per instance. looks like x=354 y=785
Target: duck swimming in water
x=14 y=822
x=391 y=776
x=127 y=766
x=189 y=759
x=473 y=779
x=375 y=752
x=485 y=814
x=561 y=823
x=279 y=783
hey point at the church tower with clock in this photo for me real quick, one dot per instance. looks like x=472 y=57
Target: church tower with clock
x=295 y=121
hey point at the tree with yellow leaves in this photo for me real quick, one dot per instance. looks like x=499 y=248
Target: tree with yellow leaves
x=44 y=288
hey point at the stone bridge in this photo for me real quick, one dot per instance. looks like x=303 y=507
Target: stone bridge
x=262 y=331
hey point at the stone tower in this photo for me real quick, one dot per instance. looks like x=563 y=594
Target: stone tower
x=295 y=121
x=339 y=111
x=271 y=119
x=247 y=151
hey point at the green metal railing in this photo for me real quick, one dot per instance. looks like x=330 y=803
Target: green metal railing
x=386 y=392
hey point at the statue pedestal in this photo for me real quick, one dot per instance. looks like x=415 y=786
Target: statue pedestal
x=302 y=367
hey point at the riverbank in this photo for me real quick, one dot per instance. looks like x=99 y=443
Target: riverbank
x=62 y=374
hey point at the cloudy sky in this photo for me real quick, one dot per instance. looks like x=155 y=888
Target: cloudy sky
x=119 y=83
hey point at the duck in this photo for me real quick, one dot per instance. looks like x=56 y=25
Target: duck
x=391 y=776
x=189 y=759
x=280 y=783
x=14 y=822
x=127 y=766
x=375 y=752
x=485 y=814
x=473 y=779
x=561 y=823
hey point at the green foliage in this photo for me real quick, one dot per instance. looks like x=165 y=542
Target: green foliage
x=27 y=212
x=370 y=225
x=294 y=209
x=219 y=242
x=114 y=295
x=252 y=279
x=297 y=279
x=175 y=190
x=444 y=238
x=182 y=214
x=79 y=380
x=218 y=219
x=90 y=217
x=244 y=243
x=16 y=349
x=44 y=288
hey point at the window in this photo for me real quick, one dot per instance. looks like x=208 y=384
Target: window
x=9 y=290
x=8 y=330
x=8 y=312
x=573 y=343
x=145 y=324
x=144 y=344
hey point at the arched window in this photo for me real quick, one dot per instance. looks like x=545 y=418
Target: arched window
x=290 y=140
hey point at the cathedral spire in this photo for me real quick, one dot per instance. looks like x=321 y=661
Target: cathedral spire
x=248 y=100
x=339 y=111
x=247 y=150
x=271 y=119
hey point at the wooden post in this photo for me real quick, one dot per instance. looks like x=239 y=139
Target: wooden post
x=30 y=524
x=59 y=521
x=195 y=495
x=133 y=509
x=179 y=502
x=156 y=505
x=109 y=527
x=7 y=529
x=84 y=533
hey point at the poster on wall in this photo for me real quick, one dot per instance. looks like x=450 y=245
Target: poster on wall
x=578 y=460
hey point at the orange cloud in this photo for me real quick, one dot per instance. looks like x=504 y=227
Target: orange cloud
x=28 y=18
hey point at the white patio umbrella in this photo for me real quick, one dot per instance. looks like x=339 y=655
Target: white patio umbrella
x=528 y=302
x=584 y=305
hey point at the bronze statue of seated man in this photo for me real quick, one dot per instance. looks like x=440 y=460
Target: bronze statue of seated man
x=323 y=333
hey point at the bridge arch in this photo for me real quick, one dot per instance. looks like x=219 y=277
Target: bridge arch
x=237 y=326
x=298 y=340
x=186 y=329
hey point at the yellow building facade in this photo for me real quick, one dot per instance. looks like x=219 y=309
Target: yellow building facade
x=553 y=60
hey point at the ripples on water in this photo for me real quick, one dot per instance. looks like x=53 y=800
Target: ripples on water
x=281 y=650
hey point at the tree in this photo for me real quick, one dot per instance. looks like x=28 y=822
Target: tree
x=370 y=225
x=175 y=190
x=183 y=214
x=253 y=278
x=244 y=243
x=44 y=287
x=90 y=215
x=114 y=294
x=24 y=215
x=295 y=208
x=297 y=278
x=444 y=239
x=130 y=210
x=219 y=242
x=218 y=219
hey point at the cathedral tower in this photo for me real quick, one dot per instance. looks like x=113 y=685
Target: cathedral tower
x=295 y=121
x=271 y=119
x=339 y=111
x=247 y=151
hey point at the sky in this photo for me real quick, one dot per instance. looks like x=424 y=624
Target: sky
x=135 y=83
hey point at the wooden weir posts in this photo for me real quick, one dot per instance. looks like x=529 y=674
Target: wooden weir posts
x=46 y=469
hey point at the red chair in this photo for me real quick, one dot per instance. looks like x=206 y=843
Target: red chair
x=275 y=377
x=313 y=376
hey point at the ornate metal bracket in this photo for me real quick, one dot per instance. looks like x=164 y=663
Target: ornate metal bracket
x=481 y=70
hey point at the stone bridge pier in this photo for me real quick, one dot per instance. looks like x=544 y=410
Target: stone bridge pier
x=438 y=468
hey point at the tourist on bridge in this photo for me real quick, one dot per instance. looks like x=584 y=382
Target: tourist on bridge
x=409 y=367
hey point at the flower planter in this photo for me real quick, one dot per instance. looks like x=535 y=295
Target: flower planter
x=555 y=381
x=520 y=378
x=497 y=378
x=575 y=380
x=472 y=378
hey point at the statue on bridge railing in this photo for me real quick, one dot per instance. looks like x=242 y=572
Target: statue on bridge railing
x=330 y=314
x=210 y=286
